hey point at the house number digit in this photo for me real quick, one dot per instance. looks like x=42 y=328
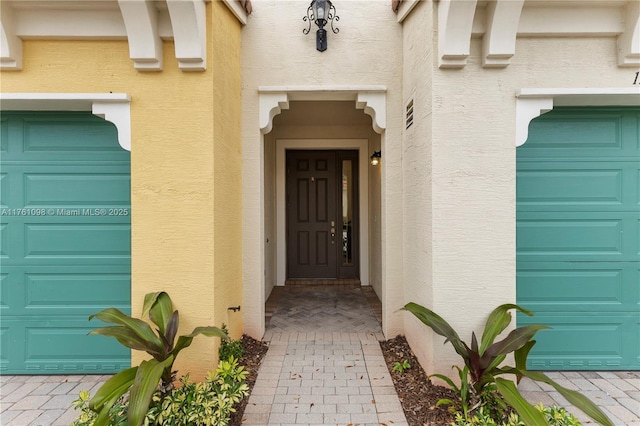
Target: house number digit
x=635 y=80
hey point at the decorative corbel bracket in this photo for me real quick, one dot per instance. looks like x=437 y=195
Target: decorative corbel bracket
x=526 y=110
x=629 y=40
x=455 y=23
x=118 y=113
x=189 y=23
x=10 y=43
x=271 y=104
x=499 y=40
x=375 y=105
x=141 y=23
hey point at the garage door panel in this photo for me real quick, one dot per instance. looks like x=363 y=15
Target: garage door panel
x=577 y=236
x=4 y=354
x=61 y=345
x=637 y=185
x=4 y=292
x=5 y=187
x=574 y=238
x=578 y=286
x=48 y=292
x=579 y=186
x=544 y=186
x=44 y=137
x=52 y=290
x=4 y=135
x=4 y=241
x=601 y=133
x=84 y=188
x=74 y=240
x=584 y=341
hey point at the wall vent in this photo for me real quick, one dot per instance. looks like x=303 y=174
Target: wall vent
x=408 y=114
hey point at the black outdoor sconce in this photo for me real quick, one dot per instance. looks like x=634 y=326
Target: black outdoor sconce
x=321 y=12
x=375 y=158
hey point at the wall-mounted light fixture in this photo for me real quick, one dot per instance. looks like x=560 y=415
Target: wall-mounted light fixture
x=321 y=12
x=375 y=158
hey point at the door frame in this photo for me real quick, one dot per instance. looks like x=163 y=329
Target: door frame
x=360 y=145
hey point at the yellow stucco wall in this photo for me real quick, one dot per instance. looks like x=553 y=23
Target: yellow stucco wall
x=185 y=168
x=227 y=167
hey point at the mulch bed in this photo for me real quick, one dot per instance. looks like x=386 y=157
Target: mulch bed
x=417 y=394
x=254 y=352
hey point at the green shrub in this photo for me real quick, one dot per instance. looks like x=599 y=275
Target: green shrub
x=208 y=403
x=141 y=382
x=480 y=384
x=554 y=416
x=401 y=366
x=230 y=348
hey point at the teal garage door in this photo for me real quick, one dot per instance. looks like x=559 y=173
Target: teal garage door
x=64 y=242
x=578 y=238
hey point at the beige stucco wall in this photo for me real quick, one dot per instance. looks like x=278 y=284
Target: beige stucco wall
x=417 y=166
x=185 y=161
x=469 y=191
x=367 y=51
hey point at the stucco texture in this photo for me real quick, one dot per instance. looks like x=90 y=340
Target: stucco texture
x=185 y=168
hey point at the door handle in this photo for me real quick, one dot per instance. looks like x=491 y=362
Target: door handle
x=333 y=232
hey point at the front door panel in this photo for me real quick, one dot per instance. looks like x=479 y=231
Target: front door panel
x=321 y=243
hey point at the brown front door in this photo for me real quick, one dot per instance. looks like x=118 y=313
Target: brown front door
x=322 y=214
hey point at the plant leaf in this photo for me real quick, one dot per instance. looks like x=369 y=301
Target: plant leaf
x=575 y=398
x=172 y=329
x=438 y=325
x=446 y=380
x=185 y=341
x=520 y=356
x=145 y=384
x=497 y=322
x=115 y=387
x=445 y=401
x=124 y=335
x=139 y=327
x=474 y=342
x=514 y=340
x=496 y=361
x=103 y=416
x=528 y=413
x=149 y=300
x=161 y=311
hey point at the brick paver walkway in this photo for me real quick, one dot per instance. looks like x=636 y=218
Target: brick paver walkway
x=617 y=393
x=317 y=373
x=324 y=379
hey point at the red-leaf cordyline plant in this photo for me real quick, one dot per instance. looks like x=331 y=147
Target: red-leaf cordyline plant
x=154 y=374
x=479 y=376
